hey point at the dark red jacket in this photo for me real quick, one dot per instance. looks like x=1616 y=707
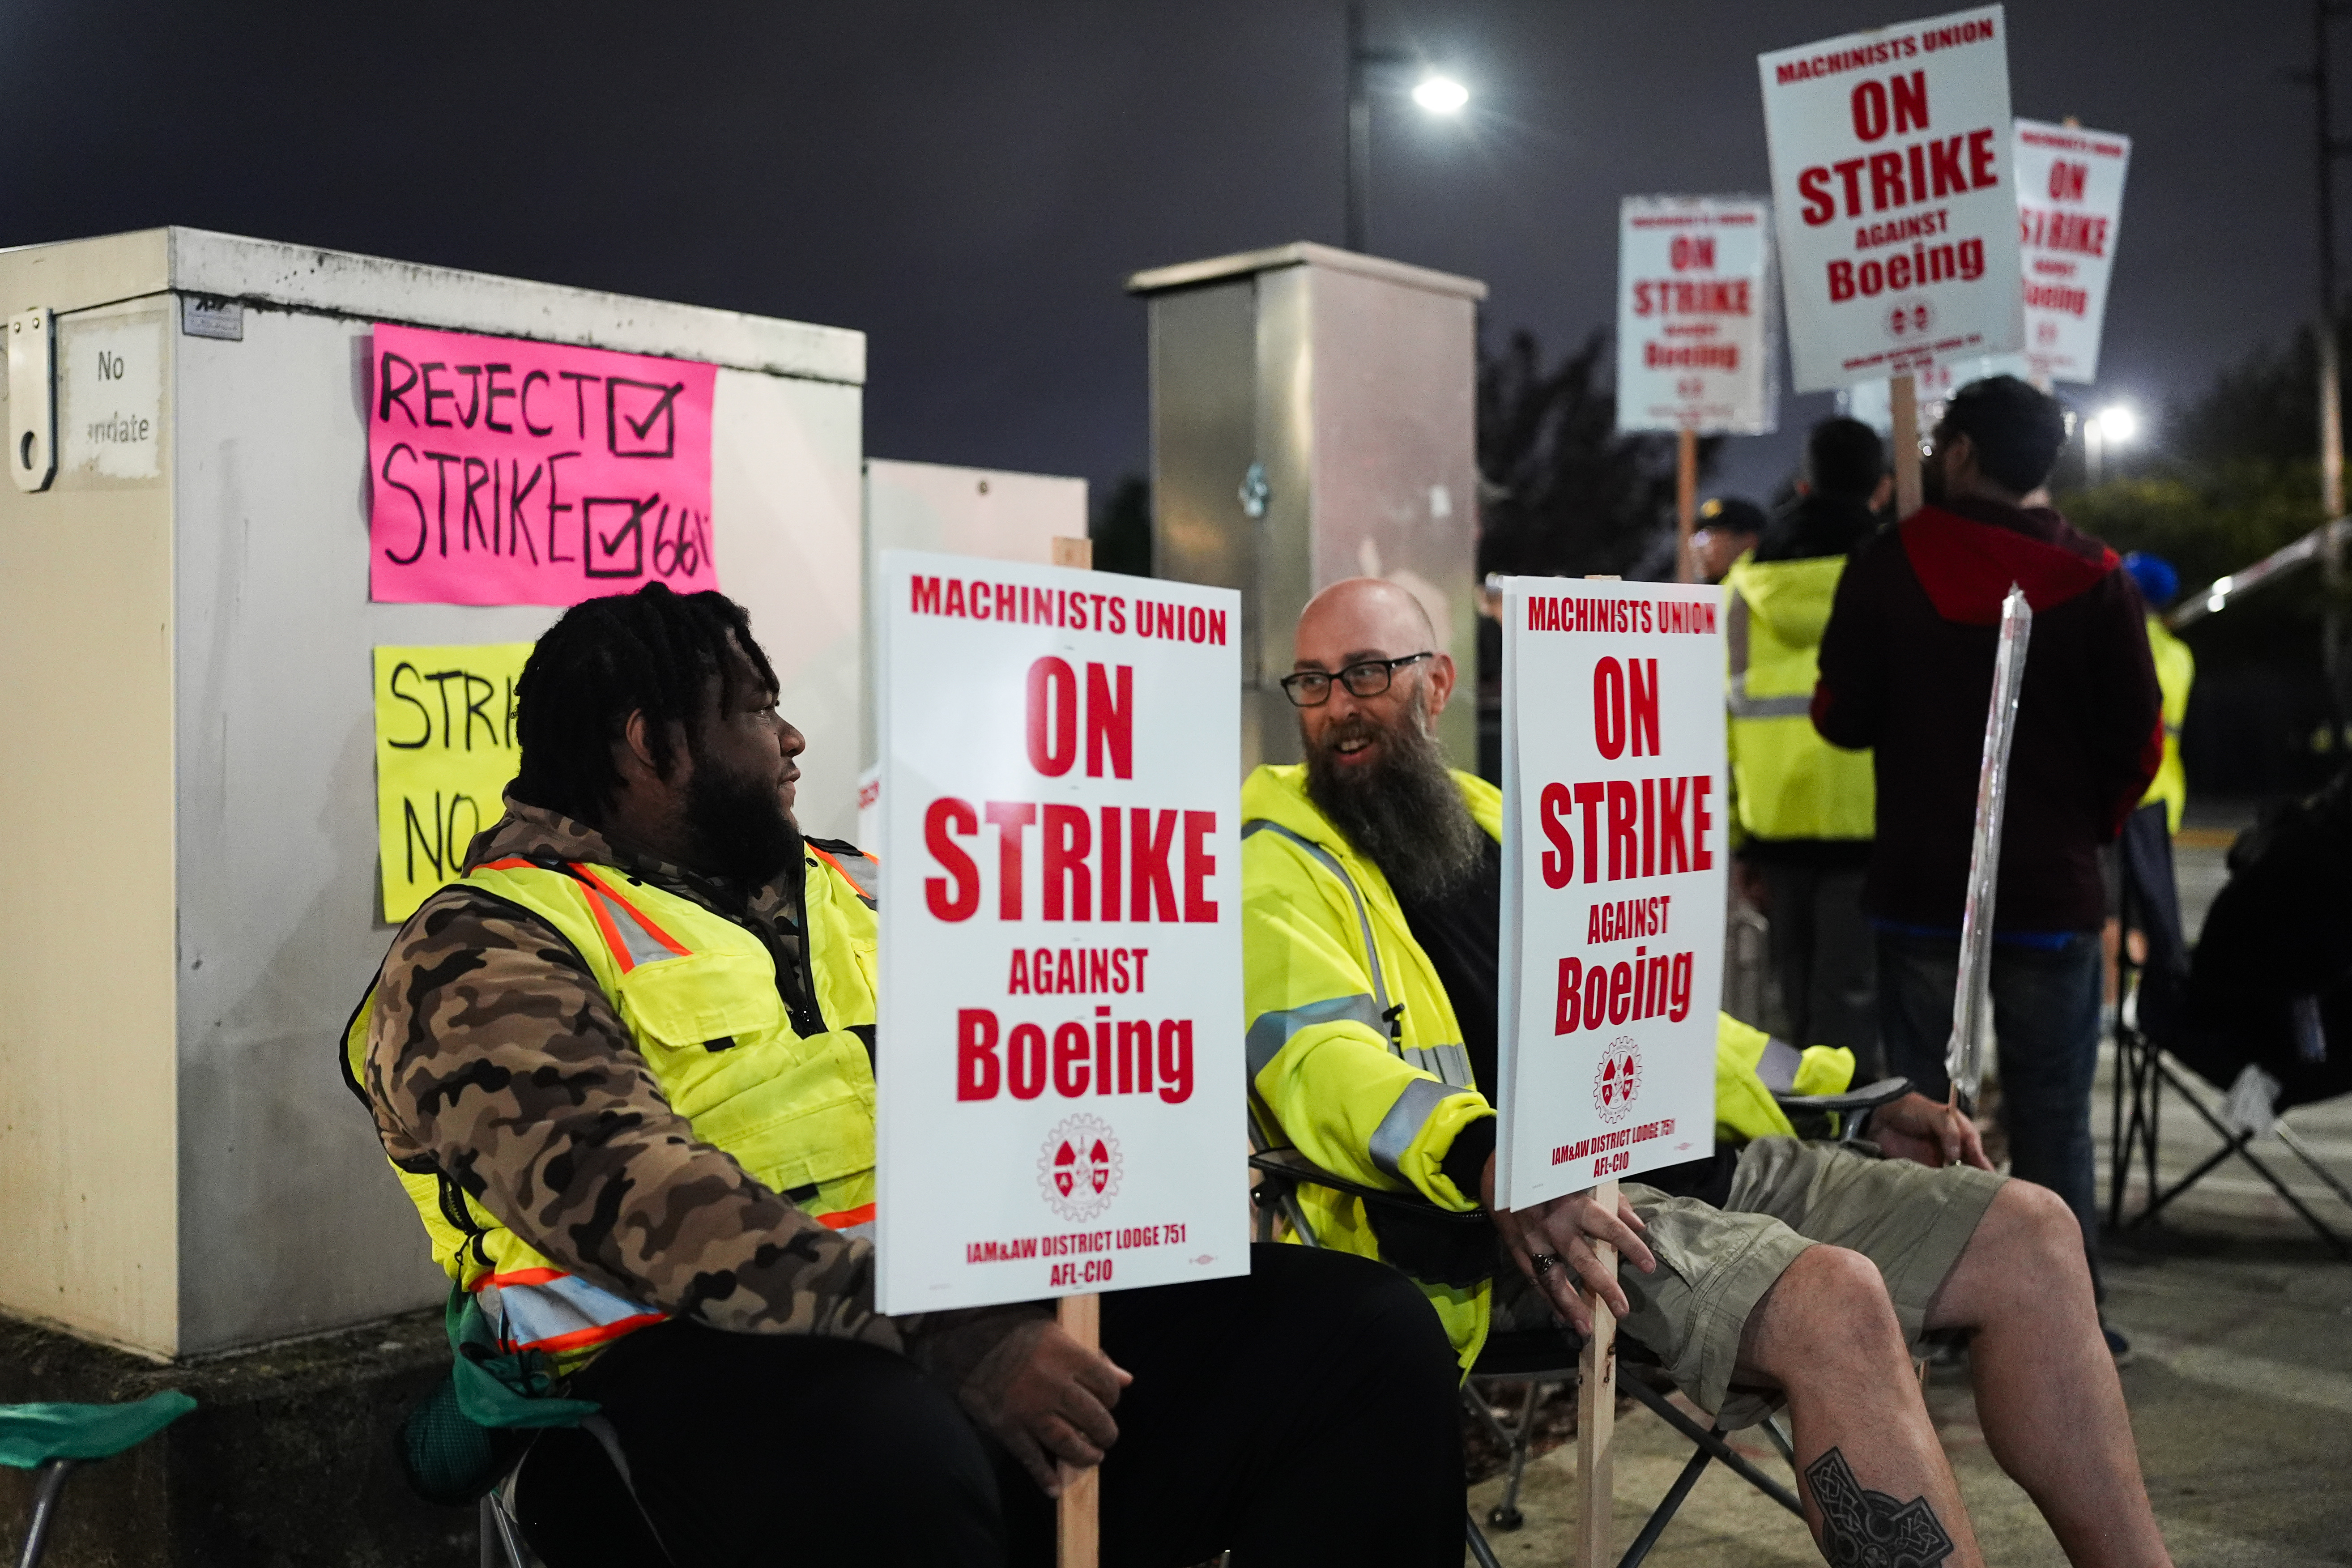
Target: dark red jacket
x=1906 y=669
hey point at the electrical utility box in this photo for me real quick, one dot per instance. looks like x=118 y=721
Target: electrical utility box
x=191 y=896
x=1313 y=419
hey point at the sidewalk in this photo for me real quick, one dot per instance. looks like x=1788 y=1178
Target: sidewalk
x=2240 y=1387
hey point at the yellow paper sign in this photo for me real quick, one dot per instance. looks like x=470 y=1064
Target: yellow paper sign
x=445 y=751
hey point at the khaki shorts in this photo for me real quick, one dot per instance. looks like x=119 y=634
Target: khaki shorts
x=1715 y=1265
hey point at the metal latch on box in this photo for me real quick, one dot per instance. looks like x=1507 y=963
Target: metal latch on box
x=32 y=399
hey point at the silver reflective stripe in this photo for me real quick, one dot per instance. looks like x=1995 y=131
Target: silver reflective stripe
x=1363 y=918
x=864 y=1231
x=643 y=948
x=1269 y=1032
x=533 y=1314
x=1743 y=706
x=1778 y=1067
x=1403 y=1123
x=1451 y=1063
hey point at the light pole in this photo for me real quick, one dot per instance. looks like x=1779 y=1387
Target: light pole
x=1436 y=94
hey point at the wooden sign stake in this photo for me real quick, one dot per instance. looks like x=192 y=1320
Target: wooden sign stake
x=1077 y=1513
x=1903 y=400
x=1686 y=502
x=1596 y=1413
x=1077 y=1516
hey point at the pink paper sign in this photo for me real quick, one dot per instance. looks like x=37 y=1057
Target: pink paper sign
x=508 y=472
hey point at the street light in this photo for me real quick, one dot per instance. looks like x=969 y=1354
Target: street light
x=1440 y=95
x=1435 y=93
x=2115 y=425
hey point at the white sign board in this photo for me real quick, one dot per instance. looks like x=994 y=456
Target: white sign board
x=1933 y=383
x=2069 y=205
x=1893 y=184
x=1614 y=865
x=1693 y=315
x=1060 y=1056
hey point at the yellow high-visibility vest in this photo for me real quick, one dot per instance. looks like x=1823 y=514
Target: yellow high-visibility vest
x=2176 y=671
x=1355 y=1056
x=1785 y=781
x=797 y=1114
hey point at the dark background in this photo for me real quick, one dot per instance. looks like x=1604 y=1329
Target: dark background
x=969 y=184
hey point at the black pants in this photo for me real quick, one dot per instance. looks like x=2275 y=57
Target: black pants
x=1825 y=956
x=1302 y=1415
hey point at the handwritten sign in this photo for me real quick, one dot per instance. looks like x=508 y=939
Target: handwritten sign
x=508 y=472
x=445 y=751
x=1613 y=865
x=1061 y=933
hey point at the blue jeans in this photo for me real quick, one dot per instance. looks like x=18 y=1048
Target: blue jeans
x=2045 y=1019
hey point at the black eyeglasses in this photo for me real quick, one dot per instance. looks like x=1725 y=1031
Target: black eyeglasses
x=1312 y=688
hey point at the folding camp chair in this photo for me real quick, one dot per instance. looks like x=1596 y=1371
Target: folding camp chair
x=2152 y=1027
x=54 y=1438
x=1542 y=1359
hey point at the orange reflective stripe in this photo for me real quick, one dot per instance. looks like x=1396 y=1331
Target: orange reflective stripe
x=519 y=1276
x=635 y=913
x=579 y=1338
x=862 y=892
x=861 y=1215
x=603 y=917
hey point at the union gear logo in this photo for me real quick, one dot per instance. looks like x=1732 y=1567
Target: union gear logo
x=1617 y=1080
x=1079 y=1168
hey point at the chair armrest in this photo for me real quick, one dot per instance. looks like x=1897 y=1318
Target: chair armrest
x=1289 y=1165
x=1885 y=1092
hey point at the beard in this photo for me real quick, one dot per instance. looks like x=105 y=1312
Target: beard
x=1404 y=813
x=741 y=827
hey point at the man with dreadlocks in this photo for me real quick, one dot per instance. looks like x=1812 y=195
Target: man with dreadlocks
x=624 y=1069
x=1370 y=940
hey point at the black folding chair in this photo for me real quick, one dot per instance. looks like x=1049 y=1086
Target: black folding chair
x=1544 y=1359
x=2157 y=1041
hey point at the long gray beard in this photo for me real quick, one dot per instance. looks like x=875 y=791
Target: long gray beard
x=1405 y=814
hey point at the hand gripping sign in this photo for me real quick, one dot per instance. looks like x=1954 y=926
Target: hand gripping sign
x=1894 y=184
x=1614 y=866
x=1060 y=1050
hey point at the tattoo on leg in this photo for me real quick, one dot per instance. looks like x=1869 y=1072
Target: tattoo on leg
x=1864 y=1529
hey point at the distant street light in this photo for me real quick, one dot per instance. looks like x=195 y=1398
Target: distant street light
x=1440 y=95
x=1436 y=94
x=2115 y=425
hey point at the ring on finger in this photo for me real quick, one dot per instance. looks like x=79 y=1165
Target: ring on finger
x=1542 y=1263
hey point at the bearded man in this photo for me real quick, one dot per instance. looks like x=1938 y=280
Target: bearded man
x=624 y=1069
x=1773 y=1270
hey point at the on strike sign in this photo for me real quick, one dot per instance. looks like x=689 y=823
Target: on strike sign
x=1892 y=177
x=1693 y=313
x=1061 y=1012
x=2070 y=204
x=1613 y=865
x=503 y=471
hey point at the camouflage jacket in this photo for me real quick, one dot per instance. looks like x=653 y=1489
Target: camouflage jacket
x=493 y=1051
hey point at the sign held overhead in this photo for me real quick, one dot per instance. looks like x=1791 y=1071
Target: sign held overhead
x=1693 y=315
x=1894 y=184
x=2069 y=206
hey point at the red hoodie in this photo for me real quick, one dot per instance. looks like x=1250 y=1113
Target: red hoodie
x=1906 y=669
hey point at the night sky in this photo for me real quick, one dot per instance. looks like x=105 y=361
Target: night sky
x=968 y=185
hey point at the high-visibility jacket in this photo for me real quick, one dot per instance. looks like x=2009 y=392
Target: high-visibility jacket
x=2176 y=671
x=797 y=1114
x=1786 y=783
x=1355 y=1056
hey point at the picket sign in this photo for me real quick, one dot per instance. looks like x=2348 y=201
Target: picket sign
x=1060 y=956
x=1614 y=860
x=1694 y=345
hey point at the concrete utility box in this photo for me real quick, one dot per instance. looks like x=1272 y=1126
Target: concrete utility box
x=189 y=903
x=1313 y=419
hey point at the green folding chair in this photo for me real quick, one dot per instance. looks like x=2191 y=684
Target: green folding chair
x=54 y=1438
